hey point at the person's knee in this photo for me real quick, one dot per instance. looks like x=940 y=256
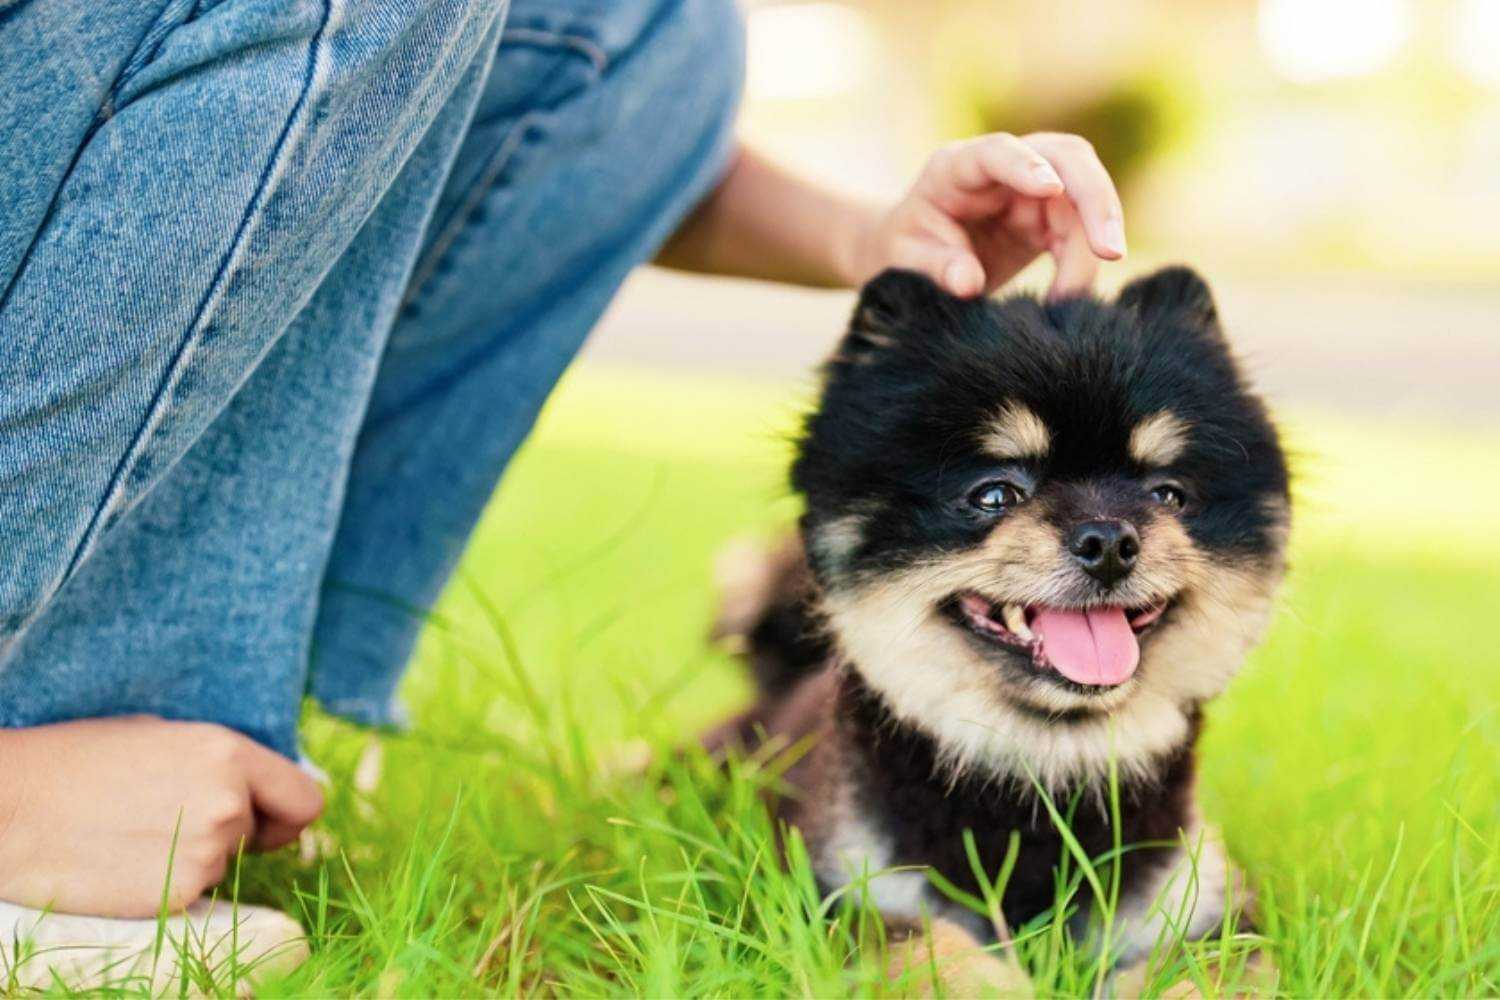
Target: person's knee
x=693 y=73
x=711 y=34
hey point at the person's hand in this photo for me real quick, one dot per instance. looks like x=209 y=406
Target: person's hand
x=984 y=208
x=89 y=811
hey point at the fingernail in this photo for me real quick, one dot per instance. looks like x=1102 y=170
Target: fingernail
x=1043 y=172
x=1114 y=236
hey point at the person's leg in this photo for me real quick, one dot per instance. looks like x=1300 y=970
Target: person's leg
x=179 y=179
x=237 y=160
x=199 y=604
x=602 y=126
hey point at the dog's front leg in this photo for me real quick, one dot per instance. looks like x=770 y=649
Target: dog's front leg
x=941 y=955
x=1256 y=978
x=1189 y=900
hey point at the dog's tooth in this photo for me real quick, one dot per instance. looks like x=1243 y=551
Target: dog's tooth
x=1015 y=620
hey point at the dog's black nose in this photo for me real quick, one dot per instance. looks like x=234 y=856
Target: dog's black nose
x=1107 y=550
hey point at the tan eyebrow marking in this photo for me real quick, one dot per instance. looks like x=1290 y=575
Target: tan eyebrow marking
x=1017 y=432
x=1160 y=439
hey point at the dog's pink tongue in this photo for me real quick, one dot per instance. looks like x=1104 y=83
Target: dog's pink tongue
x=1089 y=647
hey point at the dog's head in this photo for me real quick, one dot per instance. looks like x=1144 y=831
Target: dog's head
x=1043 y=533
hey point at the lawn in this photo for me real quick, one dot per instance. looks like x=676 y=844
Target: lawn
x=524 y=839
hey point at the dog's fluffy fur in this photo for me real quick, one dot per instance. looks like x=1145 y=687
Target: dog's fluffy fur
x=1127 y=412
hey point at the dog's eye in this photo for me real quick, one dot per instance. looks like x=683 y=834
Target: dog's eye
x=1169 y=496
x=996 y=496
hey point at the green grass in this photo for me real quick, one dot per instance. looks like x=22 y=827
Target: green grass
x=524 y=840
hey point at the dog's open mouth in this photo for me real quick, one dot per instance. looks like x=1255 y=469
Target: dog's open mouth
x=1094 y=647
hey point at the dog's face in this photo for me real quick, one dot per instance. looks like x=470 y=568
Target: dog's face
x=1043 y=533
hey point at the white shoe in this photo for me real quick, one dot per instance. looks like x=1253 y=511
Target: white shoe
x=212 y=945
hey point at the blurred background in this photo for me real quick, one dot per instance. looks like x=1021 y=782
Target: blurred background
x=1333 y=167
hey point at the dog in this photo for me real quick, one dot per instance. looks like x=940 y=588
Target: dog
x=1038 y=538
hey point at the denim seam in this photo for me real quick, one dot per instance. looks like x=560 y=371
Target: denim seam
x=160 y=402
x=590 y=49
x=154 y=36
x=486 y=181
x=472 y=200
x=144 y=55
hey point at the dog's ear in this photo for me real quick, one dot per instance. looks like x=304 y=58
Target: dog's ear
x=1177 y=294
x=894 y=305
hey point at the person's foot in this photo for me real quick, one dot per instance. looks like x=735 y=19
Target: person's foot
x=211 y=946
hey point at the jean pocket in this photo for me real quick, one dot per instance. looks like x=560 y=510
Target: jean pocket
x=535 y=107
x=543 y=62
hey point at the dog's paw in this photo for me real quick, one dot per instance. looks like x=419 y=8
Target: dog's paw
x=1257 y=978
x=944 y=957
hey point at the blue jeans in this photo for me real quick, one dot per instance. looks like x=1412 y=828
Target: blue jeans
x=283 y=284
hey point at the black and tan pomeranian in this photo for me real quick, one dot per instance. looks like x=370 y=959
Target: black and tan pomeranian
x=1038 y=538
